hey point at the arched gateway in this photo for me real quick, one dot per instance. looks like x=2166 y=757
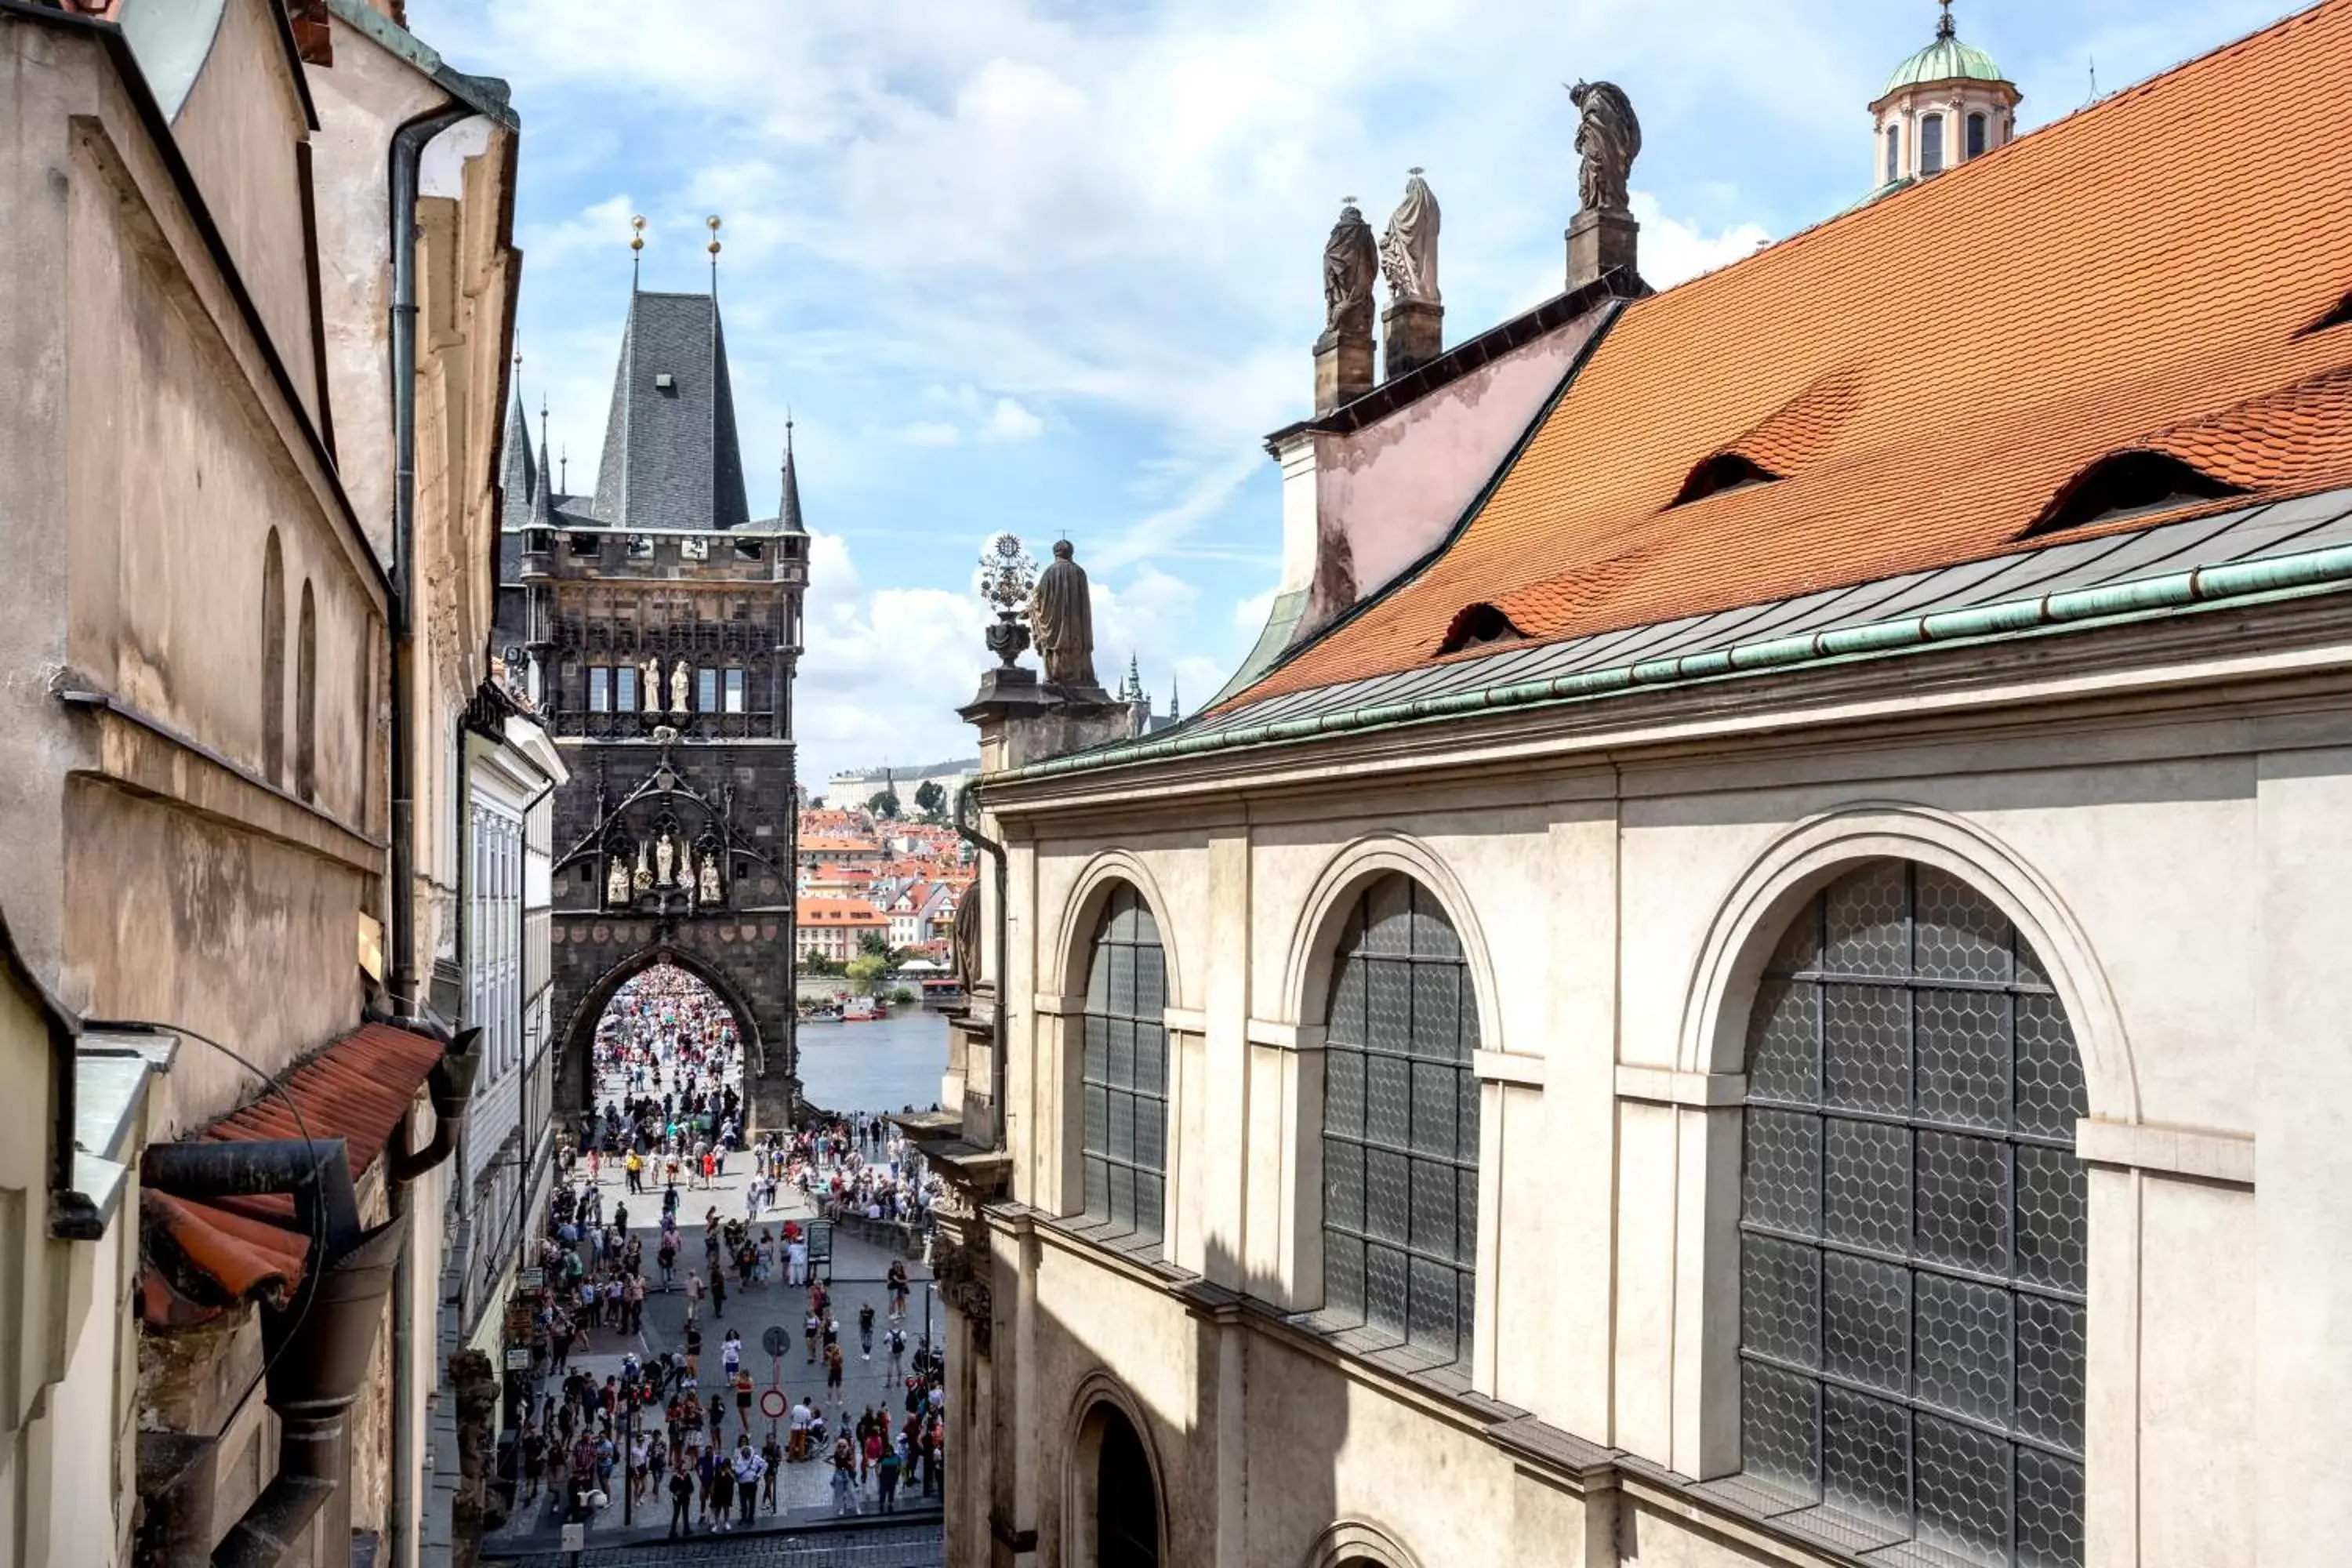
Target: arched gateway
x=657 y=627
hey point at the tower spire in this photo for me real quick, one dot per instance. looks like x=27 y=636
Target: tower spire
x=1944 y=24
x=712 y=223
x=788 y=500
x=637 y=248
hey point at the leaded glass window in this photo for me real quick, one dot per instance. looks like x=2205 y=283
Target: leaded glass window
x=1124 y=1079
x=1401 y=1124
x=1913 y=1226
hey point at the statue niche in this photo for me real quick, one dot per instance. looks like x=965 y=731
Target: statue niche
x=616 y=875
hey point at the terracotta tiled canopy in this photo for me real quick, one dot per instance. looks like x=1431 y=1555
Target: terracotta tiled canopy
x=246 y=1247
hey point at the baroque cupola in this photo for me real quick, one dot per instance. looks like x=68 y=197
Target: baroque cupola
x=1945 y=105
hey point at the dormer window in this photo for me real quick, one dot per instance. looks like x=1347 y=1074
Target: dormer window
x=1479 y=625
x=1724 y=471
x=665 y=382
x=2130 y=484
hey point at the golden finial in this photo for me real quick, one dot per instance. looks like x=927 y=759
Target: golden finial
x=713 y=223
x=638 y=240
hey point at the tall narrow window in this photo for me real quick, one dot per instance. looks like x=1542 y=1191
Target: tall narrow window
x=1124 y=1077
x=1894 y=154
x=600 y=688
x=705 y=690
x=1931 y=145
x=1914 y=1226
x=1126 y=1501
x=306 y=697
x=734 y=692
x=273 y=662
x=625 y=688
x=1976 y=143
x=1401 y=1125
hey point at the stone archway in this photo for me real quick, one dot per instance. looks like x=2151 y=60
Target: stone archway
x=595 y=957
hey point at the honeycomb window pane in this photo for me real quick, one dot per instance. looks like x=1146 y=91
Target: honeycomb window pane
x=1961 y=1357
x=1784 y=1041
x=1866 y=1047
x=1780 y=1299
x=1868 y=924
x=1963 y=1040
x=1963 y=1490
x=1866 y=1184
x=1866 y=1321
x=1781 y=1177
x=1865 y=1456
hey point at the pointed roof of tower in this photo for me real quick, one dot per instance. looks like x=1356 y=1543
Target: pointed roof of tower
x=671 y=457
x=542 y=495
x=788 y=503
x=519 y=477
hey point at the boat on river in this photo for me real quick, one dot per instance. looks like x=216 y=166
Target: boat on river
x=863 y=1010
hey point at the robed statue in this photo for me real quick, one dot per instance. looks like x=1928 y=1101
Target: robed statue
x=1062 y=617
x=1350 y=261
x=1608 y=140
x=677 y=681
x=653 y=684
x=709 y=885
x=967 y=938
x=666 y=859
x=1409 y=248
x=616 y=879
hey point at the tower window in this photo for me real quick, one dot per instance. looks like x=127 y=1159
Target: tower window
x=1975 y=136
x=1931 y=145
x=734 y=692
x=600 y=688
x=705 y=690
x=1893 y=153
x=625 y=688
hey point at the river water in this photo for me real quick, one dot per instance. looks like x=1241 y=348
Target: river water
x=888 y=1064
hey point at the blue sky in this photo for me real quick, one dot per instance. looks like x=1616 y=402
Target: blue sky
x=1051 y=266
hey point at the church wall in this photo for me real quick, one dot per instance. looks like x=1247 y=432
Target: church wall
x=1608 y=915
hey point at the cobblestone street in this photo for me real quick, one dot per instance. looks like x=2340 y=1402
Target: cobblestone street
x=876 y=1547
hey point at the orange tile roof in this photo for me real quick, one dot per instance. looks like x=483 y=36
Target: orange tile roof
x=839 y=912
x=358 y=1089
x=1926 y=373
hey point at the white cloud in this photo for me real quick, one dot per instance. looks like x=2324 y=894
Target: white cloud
x=1674 y=251
x=1009 y=422
x=930 y=433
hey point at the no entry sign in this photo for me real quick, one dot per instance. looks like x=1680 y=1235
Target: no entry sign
x=772 y=1403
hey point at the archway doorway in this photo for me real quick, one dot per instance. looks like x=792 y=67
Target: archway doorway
x=671 y=1008
x=1118 y=1497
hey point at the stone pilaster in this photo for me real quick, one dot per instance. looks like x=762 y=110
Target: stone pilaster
x=1600 y=242
x=1343 y=367
x=1412 y=333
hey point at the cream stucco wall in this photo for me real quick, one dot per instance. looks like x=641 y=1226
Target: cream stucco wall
x=1616 y=882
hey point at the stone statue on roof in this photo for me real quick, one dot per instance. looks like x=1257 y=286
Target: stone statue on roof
x=966 y=932
x=1609 y=138
x=1409 y=248
x=1062 y=616
x=1350 y=261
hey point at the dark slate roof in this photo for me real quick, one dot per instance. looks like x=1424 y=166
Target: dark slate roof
x=671 y=457
x=2308 y=539
x=518 y=475
x=788 y=504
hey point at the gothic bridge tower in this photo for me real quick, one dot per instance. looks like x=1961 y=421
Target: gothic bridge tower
x=658 y=625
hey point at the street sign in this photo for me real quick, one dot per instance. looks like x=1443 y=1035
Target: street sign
x=776 y=1341
x=529 y=1278
x=518 y=1359
x=820 y=1248
x=772 y=1403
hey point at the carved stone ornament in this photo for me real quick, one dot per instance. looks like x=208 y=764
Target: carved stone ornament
x=644 y=878
x=1409 y=250
x=616 y=878
x=1351 y=262
x=1062 y=618
x=967 y=939
x=665 y=861
x=1608 y=140
x=709 y=880
x=678 y=677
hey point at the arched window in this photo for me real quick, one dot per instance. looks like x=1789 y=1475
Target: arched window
x=273 y=660
x=1894 y=154
x=1401 y=1124
x=1124 y=1076
x=1976 y=145
x=306 y=697
x=1913 y=1226
x=1127 y=1502
x=1931 y=143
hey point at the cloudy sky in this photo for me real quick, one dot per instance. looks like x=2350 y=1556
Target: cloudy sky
x=1051 y=266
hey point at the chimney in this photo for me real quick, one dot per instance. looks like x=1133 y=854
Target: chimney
x=1413 y=327
x=1343 y=354
x=1600 y=238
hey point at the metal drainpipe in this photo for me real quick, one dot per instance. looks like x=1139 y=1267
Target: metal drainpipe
x=408 y=145
x=967 y=828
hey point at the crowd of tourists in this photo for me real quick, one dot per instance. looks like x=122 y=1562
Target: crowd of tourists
x=679 y=1424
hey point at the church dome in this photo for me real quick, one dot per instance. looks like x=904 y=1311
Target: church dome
x=1946 y=59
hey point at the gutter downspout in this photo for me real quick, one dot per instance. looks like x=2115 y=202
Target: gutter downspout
x=967 y=828
x=408 y=145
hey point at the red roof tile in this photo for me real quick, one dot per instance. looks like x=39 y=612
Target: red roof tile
x=1925 y=374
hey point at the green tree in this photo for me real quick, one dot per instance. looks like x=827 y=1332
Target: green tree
x=931 y=799
x=866 y=972
x=884 y=804
x=818 y=963
x=874 y=945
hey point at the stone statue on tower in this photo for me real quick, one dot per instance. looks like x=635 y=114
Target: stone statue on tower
x=1608 y=140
